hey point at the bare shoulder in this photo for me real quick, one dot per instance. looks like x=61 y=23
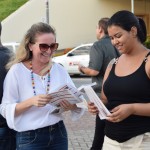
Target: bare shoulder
x=109 y=67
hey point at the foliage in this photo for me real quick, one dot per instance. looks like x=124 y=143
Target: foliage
x=9 y=6
x=147 y=42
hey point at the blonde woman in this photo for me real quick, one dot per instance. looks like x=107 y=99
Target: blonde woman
x=25 y=103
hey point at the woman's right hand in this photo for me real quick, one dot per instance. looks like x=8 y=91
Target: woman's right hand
x=92 y=108
x=40 y=100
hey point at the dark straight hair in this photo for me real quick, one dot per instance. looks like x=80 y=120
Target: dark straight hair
x=126 y=20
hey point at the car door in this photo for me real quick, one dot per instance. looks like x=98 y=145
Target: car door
x=79 y=56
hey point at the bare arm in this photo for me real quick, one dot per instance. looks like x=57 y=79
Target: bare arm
x=23 y=106
x=123 y=111
x=39 y=101
x=88 y=71
x=141 y=109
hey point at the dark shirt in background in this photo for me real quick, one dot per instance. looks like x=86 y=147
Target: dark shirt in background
x=5 y=55
x=102 y=52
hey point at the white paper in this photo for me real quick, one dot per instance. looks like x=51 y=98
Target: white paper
x=103 y=111
x=65 y=92
x=81 y=88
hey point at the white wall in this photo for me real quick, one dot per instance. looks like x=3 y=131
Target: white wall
x=16 y=25
x=74 y=20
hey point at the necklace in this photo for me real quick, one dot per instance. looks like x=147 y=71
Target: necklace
x=33 y=83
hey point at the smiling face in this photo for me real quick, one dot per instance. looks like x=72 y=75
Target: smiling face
x=40 y=50
x=123 y=40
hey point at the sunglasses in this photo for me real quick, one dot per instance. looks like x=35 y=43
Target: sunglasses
x=44 y=47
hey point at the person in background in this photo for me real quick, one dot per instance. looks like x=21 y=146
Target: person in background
x=126 y=87
x=101 y=53
x=7 y=136
x=25 y=103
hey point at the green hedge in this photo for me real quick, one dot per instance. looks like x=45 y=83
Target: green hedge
x=9 y=6
x=147 y=42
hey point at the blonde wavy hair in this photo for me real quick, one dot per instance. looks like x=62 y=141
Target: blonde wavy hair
x=23 y=52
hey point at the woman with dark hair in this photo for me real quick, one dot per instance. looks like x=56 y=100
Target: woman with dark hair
x=126 y=86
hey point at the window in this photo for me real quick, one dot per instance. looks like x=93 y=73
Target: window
x=9 y=47
x=82 y=50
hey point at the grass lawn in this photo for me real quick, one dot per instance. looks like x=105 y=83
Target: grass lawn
x=9 y=6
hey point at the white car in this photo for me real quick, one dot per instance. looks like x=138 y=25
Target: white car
x=78 y=55
x=12 y=46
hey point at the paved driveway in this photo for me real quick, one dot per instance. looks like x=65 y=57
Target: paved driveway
x=80 y=132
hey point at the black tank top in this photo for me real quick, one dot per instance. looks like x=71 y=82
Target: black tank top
x=133 y=88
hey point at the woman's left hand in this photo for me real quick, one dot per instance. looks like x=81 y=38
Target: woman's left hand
x=120 y=113
x=67 y=106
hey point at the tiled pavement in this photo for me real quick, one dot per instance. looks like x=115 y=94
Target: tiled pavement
x=80 y=132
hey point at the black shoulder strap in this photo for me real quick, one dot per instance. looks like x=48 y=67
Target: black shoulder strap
x=114 y=64
x=145 y=59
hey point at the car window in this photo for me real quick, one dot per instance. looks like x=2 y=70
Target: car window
x=11 y=46
x=82 y=50
x=16 y=47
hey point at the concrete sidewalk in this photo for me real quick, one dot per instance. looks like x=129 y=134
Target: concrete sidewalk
x=80 y=132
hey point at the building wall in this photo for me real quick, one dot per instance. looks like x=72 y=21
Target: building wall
x=74 y=20
x=16 y=25
x=142 y=7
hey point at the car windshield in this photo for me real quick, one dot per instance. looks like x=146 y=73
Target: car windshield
x=16 y=47
x=82 y=50
x=12 y=46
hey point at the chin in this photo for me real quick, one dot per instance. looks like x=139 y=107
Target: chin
x=45 y=61
x=121 y=49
